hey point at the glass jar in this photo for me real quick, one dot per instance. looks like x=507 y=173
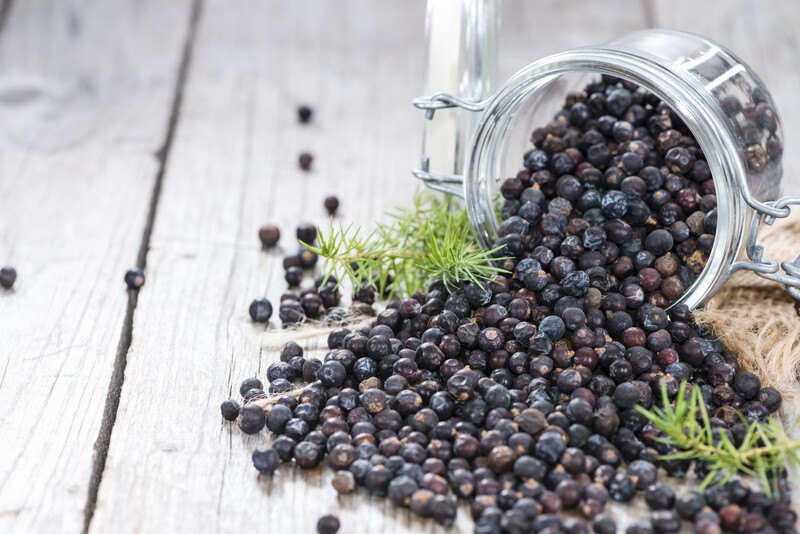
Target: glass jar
x=719 y=98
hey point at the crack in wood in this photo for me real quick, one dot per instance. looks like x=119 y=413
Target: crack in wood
x=126 y=336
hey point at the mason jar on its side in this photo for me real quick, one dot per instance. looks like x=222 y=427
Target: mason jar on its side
x=719 y=98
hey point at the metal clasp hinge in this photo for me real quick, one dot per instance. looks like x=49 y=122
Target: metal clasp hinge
x=766 y=267
x=451 y=184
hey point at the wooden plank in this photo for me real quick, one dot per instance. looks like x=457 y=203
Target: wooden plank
x=767 y=40
x=173 y=465
x=86 y=90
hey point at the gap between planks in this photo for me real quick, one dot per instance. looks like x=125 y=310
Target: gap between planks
x=126 y=335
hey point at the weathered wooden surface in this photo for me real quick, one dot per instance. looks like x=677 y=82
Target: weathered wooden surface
x=85 y=98
x=172 y=464
x=233 y=168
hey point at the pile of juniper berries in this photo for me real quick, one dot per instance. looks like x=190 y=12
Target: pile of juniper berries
x=518 y=395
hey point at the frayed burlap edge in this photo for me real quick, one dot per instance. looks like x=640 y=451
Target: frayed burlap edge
x=757 y=319
x=764 y=331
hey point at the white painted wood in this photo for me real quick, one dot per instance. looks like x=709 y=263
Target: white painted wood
x=173 y=465
x=85 y=95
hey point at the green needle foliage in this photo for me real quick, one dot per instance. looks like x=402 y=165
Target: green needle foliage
x=764 y=453
x=430 y=241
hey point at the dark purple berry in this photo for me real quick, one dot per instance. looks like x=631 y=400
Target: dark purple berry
x=304 y=114
x=269 y=235
x=304 y=160
x=307 y=233
x=260 y=310
x=134 y=278
x=331 y=205
x=328 y=524
x=252 y=418
x=230 y=410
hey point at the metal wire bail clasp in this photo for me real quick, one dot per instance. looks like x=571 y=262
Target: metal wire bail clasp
x=447 y=183
x=763 y=266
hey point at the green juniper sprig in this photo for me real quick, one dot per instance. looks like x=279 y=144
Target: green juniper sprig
x=430 y=241
x=765 y=451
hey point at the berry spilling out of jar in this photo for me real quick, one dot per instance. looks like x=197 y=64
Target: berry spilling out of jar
x=615 y=196
x=543 y=393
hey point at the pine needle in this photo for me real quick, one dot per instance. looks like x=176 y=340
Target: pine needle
x=765 y=452
x=431 y=241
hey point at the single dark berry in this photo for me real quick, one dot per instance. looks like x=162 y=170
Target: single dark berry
x=658 y=242
x=307 y=233
x=771 y=398
x=229 y=409
x=730 y=516
x=291 y=311
x=306 y=258
x=266 y=460
x=134 y=278
x=269 y=235
x=603 y=524
x=747 y=384
x=679 y=160
x=328 y=524
x=344 y=482
x=331 y=205
x=553 y=326
x=304 y=160
x=377 y=479
x=643 y=472
x=307 y=455
x=8 y=275
x=304 y=114
x=622 y=488
x=659 y=497
x=614 y=205
x=277 y=418
x=294 y=276
x=332 y=374
x=618 y=101
x=252 y=418
x=260 y=310
x=689 y=504
x=280 y=370
x=665 y=522
x=549 y=447
x=374 y=400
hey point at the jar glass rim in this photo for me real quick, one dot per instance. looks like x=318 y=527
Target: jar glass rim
x=694 y=105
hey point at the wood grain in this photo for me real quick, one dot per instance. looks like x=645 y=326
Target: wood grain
x=173 y=465
x=85 y=95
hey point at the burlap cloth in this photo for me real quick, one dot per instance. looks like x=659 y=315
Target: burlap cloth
x=757 y=319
